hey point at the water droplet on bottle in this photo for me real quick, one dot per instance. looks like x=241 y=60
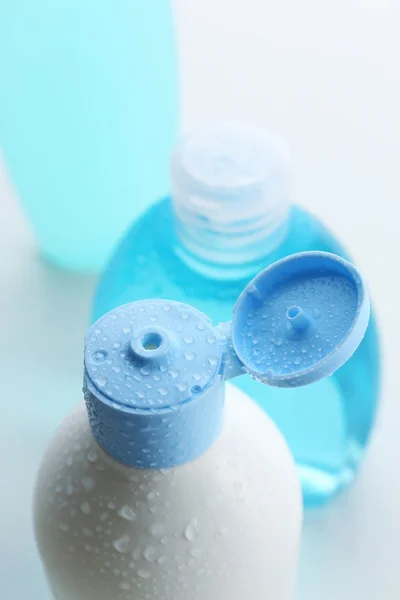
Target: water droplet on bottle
x=157 y=529
x=116 y=369
x=126 y=512
x=162 y=560
x=85 y=508
x=213 y=360
x=150 y=553
x=191 y=531
x=63 y=527
x=124 y=585
x=316 y=313
x=92 y=456
x=163 y=391
x=181 y=386
x=87 y=532
x=188 y=339
x=200 y=326
x=121 y=544
x=88 y=483
x=104 y=516
x=127 y=330
x=297 y=360
x=195 y=552
x=152 y=495
x=143 y=573
x=189 y=355
x=211 y=339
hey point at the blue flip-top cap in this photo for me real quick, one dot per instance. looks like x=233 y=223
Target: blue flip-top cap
x=155 y=369
x=153 y=385
x=300 y=319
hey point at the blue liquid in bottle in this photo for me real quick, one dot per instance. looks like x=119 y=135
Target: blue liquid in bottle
x=88 y=118
x=228 y=217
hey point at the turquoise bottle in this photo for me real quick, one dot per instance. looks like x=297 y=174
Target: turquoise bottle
x=229 y=216
x=88 y=116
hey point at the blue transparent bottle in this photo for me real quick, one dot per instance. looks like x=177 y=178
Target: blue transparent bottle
x=88 y=118
x=229 y=216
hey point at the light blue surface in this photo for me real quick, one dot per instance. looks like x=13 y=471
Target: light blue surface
x=328 y=423
x=155 y=369
x=88 y=116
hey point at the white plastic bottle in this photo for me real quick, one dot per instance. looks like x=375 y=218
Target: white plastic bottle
x=162 y=488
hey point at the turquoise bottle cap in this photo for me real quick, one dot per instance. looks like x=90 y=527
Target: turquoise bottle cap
x=300 y=319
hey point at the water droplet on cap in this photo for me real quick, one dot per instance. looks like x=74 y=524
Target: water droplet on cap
x=100 y=380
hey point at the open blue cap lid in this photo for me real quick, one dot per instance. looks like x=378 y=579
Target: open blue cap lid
x=300 y=319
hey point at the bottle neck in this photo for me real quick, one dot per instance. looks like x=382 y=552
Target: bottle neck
x=230 y=194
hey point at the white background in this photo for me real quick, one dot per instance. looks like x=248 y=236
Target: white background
x=326 y=76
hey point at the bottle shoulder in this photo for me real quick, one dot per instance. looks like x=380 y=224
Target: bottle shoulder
x=146 y=265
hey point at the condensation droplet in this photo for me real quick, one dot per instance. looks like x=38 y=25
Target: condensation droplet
x=121 y=544
x=100 y=355
x=126 y=512
x=85 y=508
x=124 y=585
x=189 y=355
x=157 y=529
x=191 y=531
x=143 y=573
x=92 y=456
x=88 y=483
x=87 y=532
x=63 y=527
x=101 y=380
x=150 y=553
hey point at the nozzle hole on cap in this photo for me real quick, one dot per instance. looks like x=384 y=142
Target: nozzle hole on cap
x=293 y=312
x=151 y=341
